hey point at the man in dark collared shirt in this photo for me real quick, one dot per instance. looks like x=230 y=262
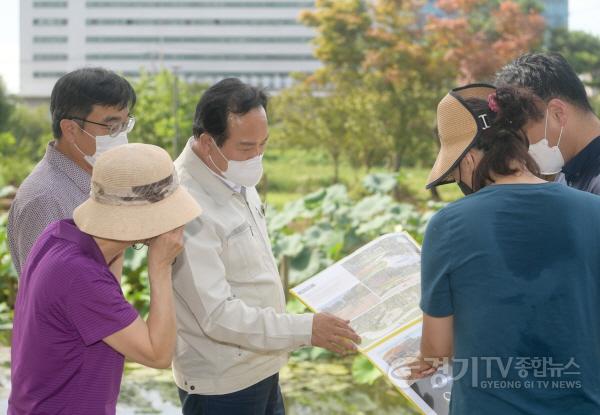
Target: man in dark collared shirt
x=90 y=114
x=570 y=125
x=583 y=171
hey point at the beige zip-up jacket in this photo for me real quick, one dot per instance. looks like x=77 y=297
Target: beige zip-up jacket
x=232 y=327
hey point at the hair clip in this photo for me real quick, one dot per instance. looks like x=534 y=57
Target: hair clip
x=493 y=103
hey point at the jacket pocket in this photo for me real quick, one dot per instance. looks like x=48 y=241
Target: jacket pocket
x=243 y=257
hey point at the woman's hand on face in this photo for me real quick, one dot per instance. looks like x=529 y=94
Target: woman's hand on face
x=163 y=249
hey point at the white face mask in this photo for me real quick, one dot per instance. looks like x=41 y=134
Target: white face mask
x=245 y=173
x=103 y=144
x=549 y=159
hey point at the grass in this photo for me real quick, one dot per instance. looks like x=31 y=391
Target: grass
x=294 y=173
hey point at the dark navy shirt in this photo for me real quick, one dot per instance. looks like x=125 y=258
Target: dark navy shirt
x=518 y=266
x=583 y=171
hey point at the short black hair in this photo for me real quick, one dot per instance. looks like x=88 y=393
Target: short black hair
x=229 y=96
x=75 y=94
x=548 y=75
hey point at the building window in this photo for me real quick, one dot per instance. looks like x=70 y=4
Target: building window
x=50 y=39
x=190 y=22
x=50 y=57
x=218 y=75
x=50 y=22
x=196 y=39
x=44 y=4
x=53 y=75
x=195 y=57
x=286 y=4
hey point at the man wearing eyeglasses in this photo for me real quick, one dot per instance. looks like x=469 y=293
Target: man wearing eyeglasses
x=90 y=114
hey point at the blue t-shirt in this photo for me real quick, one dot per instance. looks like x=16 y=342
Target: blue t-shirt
x=518 y=266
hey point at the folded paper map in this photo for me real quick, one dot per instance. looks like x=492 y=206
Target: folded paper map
x=378 y=289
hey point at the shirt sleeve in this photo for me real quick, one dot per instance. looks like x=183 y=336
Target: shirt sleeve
x=27 y=224
x=96 y=306
x=436 y=292
x=200 y=281
x=595 y=186
x=560 y=178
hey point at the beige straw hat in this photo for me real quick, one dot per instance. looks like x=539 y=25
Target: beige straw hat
x=458 y=128
x=135 y=195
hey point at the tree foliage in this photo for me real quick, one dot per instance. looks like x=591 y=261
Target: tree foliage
x=31 y=128
x=343 y=123
x=386 y=64
x=582 y=50
x=158 y=96
x=24 y=134
x=6 y=108
x=341 y=40
x=408 y=75
x=480 y=36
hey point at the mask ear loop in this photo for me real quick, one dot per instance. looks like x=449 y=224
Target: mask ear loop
x=219 y=150
x=546 y=125
x=222 y=155
x=460 y=173
x=81 y=151
x=562 y=128
x=472 y=177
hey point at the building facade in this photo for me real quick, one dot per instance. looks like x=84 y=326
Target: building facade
x=259 y=41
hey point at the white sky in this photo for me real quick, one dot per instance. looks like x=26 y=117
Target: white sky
x=583 y=15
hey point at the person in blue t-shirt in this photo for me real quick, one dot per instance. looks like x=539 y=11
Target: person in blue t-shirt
x=511 y=272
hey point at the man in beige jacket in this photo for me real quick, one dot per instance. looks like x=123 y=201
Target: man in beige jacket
x=233 y=331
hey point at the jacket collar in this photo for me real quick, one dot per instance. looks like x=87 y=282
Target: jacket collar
x=205 y=178
x=583 y=163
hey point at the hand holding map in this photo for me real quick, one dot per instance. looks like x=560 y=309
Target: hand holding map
x=376 y=292
x=334 y=334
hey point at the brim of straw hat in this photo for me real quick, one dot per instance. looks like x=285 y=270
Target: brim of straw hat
x=447 y=160
x=460 y=131
x=137 y=222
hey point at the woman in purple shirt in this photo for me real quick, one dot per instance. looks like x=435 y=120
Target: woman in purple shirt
x=73 y=327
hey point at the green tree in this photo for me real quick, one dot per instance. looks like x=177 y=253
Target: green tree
x=408 y=74
x=309 y=121
x=6 y=107
x=8 y=275
x=32 y=129
x=335 y=109
x=581 y=49
x=23 y=142
x=367 y=141
x=15 y=166
x=397 y=61
x=341 y=41
x=158 y=96
x=344 y=122
x=376 y=63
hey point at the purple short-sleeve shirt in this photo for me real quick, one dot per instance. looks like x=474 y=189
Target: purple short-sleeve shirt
x=68 y=301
